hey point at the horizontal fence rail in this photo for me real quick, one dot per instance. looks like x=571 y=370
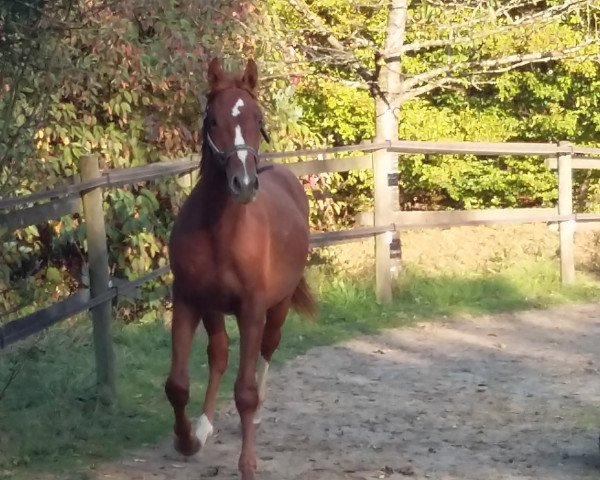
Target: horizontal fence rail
x=461 y=218
x=477 y=148
x=127 y=176
x=367 y=147
x=120 y=177
x=581 y=150
x=577 y=163
x=81 y=301
x=78 y=302
x=35 y=322
x=40 y=213
x=75 y=188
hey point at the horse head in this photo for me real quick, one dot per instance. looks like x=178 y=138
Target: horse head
x=233 y=125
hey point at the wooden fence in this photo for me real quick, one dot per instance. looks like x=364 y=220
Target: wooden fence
x=85 y=196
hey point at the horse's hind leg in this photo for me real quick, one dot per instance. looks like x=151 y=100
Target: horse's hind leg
x=217 y=351
x=177 y=386
x=271 y=337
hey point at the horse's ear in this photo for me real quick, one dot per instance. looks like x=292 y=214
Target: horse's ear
x=250 y=77
x=215 y=72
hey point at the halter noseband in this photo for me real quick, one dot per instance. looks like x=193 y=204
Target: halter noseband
x=222 y=156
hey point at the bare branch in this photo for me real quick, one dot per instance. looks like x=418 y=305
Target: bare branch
x=446 y=83
x=540 y=18
x=309 y=73
x=323 y=53
x=509 y=62
x=481 y=14
x=302 y=8
x=440 y=83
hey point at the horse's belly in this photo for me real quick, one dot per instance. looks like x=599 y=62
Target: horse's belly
x=225 y=291
x=209 y=293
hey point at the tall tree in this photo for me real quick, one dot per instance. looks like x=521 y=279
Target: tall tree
x=400 y=50
x=425 y=45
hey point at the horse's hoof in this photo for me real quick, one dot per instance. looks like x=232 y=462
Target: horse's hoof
x=187 y=447
x=248 y=474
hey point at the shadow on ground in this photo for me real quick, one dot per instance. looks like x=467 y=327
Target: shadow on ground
x=507 y=396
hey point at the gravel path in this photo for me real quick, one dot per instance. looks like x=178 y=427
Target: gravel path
x=509 y=396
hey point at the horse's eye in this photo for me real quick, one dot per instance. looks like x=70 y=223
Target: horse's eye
x=210 y=121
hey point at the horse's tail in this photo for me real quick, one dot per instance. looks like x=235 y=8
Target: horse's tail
x=303 y=301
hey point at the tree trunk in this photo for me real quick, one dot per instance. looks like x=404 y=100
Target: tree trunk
x=388 y=93
x=389 y=78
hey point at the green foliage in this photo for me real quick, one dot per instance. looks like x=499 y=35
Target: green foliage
x=344 y=115
x=537 y=102
x=467 y=181
x=125 y=81
x=30 y=64
x=335 y=198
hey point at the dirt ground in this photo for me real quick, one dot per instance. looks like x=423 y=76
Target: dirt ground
x=510 y=396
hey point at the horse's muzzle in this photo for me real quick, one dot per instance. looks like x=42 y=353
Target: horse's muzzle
x=244 y=187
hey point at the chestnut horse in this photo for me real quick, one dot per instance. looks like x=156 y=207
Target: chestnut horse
x=239 y=246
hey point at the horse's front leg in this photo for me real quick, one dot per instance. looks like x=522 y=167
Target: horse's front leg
x=251 y=325
x=177 y=386
x=217 y=351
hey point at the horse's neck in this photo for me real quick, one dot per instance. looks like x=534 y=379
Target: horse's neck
x=212 y=190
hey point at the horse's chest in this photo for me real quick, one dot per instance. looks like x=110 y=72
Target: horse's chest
x=209 y=274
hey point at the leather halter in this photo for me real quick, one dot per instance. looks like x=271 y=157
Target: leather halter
x=223 y=156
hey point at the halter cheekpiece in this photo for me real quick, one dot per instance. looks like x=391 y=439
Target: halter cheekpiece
x=223 y=156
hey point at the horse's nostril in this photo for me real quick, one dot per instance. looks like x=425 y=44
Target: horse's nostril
x=255 y=183
x=236 y=186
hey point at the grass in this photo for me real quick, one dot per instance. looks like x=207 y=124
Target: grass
x=51 y=423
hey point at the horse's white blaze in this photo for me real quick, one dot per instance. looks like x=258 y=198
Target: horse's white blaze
x=242 y=154
x=204 y=429
x=239 y=140
x=235 y=111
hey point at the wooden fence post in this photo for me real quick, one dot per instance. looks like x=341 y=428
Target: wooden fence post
x=383 y=277
x=99 y=280
x=565 y=207
x=394 y=212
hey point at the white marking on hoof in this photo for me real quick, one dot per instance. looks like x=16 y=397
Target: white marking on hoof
x=261 y=379
x=204 y=429
x=262 y=368
x=235 y=111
